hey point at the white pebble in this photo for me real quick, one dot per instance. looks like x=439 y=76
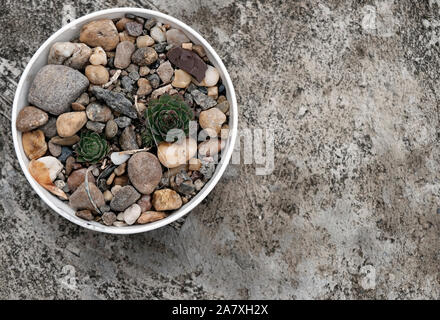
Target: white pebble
x=211 y=77
x=158 y=35
x=118 y=158
x=132 y=213
x=53 y=164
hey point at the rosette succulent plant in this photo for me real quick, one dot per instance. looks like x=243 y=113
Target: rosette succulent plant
x=163 y=116
x=91 y=147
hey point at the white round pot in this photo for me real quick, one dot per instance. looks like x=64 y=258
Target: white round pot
x=70 y=32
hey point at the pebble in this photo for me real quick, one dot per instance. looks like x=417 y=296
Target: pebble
x=104 y=208
x=186 y=187
x=203 y=100
x=132 y=213
x=111 y=129
x=145 y=87
x=165 y=72
x=69 y=141
x=55 y=87
x=160 y=47
x=157 y=34
x=110 y=179
x=145 y=203
x=98 y=112
x=124 y=36
x=150 y=23
x=182 y=79
x=69 y=164
x=150 y=216
x=144 y=41
x=78 y=107
x=189 y=99
x=108 y=218
x=123 y=122
x=143 y=71
x=77 y=177
x=34 y=144
x=120 y=170
x=223 y=106
x=97 y=74
x=144 y=56
x=85 y=214
x=83 y=99
x=70 y=123
x=45 y=169
x=210 y=147
x=154 y=80
x=119 y=224
x=118 y=158
x=50 y=128
x=97 y=127
x=124 y=50
x=160 y=91
x=54 y=149
x=98 y=57
x=212 y=119
x=172 y=155
x=117 y=101
x=208 y=168
x=176 y=37
x=133 y=28
x=65 y=153
x=108 y=196
x=100 y=33
x=211 y=77
x=213 y=92
x=198 y=184
x=125 y=197
x=74 y=55
x=144 y=172
x=80 y=200
x=199 y=50
x=115 y=189
x=187 y=46
x=134 y=75
x=122 y=181
x=60 y=184
x=128 y=139
x=194 y=164
x=188 y=61
x=30 y=118
x=132 y=68
x=127 y=83
x=166 y=199
x=120 y=25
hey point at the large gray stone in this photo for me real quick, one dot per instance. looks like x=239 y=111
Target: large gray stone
x=55 y=87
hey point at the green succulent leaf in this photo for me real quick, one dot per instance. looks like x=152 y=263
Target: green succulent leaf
x=162 y=116
x=91 y=147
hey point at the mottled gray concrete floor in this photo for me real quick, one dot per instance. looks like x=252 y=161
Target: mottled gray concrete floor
x=351 y=89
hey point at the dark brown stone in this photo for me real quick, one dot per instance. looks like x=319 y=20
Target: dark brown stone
x=188 y=61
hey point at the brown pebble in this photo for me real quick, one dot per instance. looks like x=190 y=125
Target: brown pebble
x=85 y=214
x=34 y=144
x=30 y=118
x=111 y=178
x=150 y=216
x=121 y=181
x=69 y=165
x=78 y=107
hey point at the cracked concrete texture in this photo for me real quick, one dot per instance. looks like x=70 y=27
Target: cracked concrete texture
x=350 y=211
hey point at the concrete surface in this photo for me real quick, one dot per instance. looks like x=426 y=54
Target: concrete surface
x=351 y=89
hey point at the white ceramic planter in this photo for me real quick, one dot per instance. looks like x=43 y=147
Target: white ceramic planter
x=71 y=31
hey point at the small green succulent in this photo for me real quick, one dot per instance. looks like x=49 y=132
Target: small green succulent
x=164 y=115
x=91 y=147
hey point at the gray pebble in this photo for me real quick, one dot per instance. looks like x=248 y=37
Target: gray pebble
x=123 y=122
x=95 y=126
x=111 y=129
